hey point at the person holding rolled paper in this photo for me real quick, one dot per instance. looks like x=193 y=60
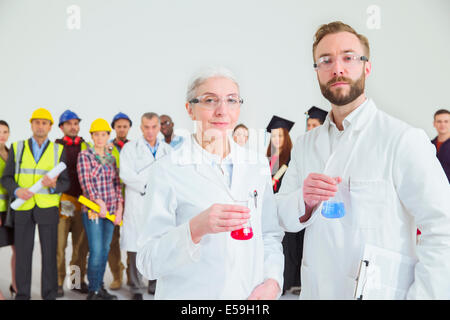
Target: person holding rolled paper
x=279 y=148
x=99 y=180
x=279 y=155
x=29 y=162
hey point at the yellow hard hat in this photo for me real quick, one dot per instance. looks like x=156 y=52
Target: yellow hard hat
x=42 y=113
x=100 y=125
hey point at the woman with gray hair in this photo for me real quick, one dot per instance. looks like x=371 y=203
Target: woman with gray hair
x=212 y=230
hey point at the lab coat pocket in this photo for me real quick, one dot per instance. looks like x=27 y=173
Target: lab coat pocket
x=254 y=204
x=368 y=202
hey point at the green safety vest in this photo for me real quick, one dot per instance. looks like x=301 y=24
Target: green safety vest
x=28 y=172
x=116 y=154
x=84 y=146
x=3 y=192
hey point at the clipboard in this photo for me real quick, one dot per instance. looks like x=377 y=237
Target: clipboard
x=361 y=279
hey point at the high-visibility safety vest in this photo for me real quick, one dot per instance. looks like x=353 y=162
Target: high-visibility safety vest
x=84 y=146
x=116 y=154
x=3 y=192
x=28 y=172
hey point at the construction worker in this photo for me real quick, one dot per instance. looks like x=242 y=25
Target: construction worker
x=30 y=161
x=100 y=182
x=121 y=124
x=70 y=209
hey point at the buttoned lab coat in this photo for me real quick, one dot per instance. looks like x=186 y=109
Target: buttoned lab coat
x=392 y=183
x=136 y=160
x=181 y=186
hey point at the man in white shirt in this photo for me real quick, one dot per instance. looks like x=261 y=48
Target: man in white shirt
x=167 y=130
x=383 y=171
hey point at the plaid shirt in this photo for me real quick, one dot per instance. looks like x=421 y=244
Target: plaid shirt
x=99 y=181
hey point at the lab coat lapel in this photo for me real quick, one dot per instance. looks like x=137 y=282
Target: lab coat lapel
x=142 y=148
x=322 y=144
x=190 y=155
x=240 y=172
x=162 y=150
x=145 y=157
x=212 y=175
x=338 y=162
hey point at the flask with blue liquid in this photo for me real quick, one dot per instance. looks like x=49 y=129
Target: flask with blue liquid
x=334 y=207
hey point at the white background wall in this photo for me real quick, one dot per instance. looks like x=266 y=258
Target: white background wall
x=136 y=56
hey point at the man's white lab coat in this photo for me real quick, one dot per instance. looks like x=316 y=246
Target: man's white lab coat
x=183 y=185
x=392 y=184
x=136 y=160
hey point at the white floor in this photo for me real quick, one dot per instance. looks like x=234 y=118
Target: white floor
x=122 y=294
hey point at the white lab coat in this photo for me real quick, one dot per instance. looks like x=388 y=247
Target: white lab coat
x=218 y=267
x=392 y=183
x=136 y=160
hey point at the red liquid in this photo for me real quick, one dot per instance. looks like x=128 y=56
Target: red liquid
x=242 y=234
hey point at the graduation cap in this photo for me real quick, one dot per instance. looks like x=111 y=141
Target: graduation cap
x=278 y=122
x=317 y=113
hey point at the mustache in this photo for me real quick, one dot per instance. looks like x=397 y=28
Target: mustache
x=338 y=79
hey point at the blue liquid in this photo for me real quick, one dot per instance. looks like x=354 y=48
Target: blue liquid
x=333 y=210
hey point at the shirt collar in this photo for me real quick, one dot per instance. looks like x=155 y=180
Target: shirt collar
x=148 y=144
x=153 y=149
x=351 y=119
x=34 y=142
x=176 y=138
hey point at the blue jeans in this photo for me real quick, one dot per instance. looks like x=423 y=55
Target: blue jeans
x=99 y=238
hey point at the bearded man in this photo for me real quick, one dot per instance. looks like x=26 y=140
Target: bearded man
x=360 y=185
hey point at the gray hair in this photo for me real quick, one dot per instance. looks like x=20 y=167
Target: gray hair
x=202 y=76
x=149 y=116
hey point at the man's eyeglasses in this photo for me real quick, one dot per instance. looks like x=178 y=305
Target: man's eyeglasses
x=212 y=101
x=165 y=123
x=348 y=59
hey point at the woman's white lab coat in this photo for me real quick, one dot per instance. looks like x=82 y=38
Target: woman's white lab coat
x=181 y=186
x=136 y=160
x=392 y=183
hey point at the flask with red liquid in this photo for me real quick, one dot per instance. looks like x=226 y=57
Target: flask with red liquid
x=246 y=232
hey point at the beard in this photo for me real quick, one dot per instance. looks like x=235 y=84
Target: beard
x=337 y=97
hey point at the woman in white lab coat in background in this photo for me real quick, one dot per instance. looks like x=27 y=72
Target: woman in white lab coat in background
x=192 y=204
